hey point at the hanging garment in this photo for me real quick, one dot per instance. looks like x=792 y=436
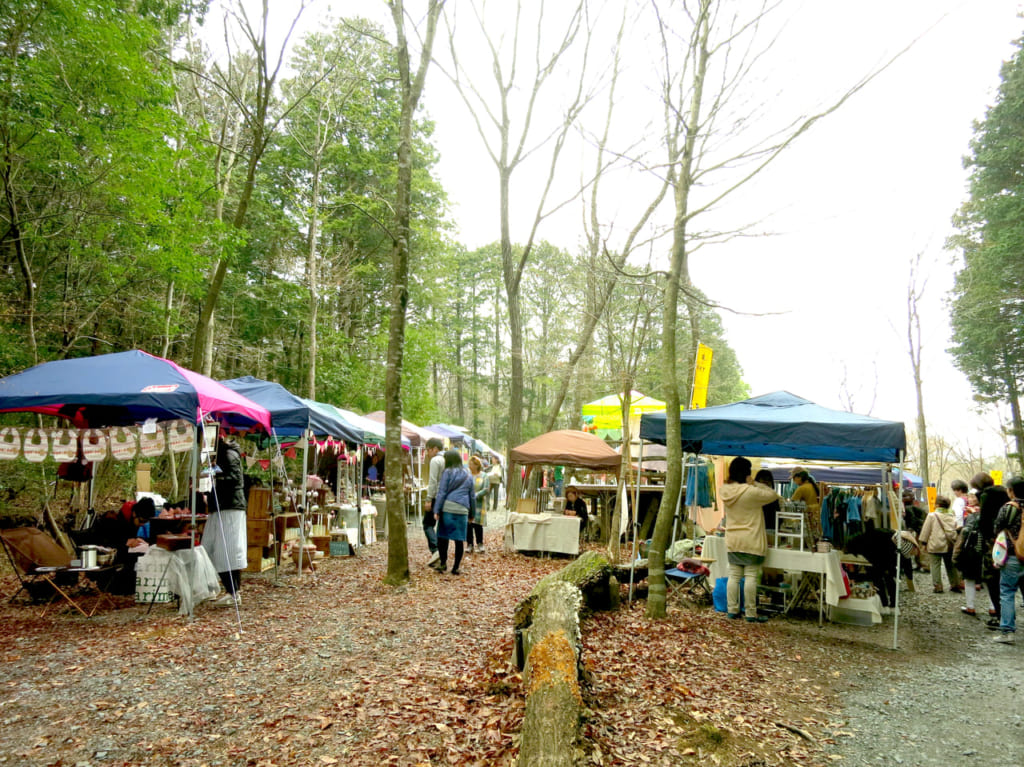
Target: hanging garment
x=698 y=485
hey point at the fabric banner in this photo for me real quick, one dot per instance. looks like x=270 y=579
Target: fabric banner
x=701 y=376
x=64 y=445
x=36 y=446
x=124 y=444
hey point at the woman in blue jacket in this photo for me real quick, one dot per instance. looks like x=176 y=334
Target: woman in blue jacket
x=456 y=504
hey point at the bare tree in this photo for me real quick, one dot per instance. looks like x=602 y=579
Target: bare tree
x=411 y=88
x=700 y=92
x=915 y=292
x=512 y=134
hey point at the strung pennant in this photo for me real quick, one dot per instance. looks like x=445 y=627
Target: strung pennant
x=64 y=445
x=94 y=444
x=180 y=436
x=10 y=443
x=124 y=445
x=152 y=443
x=36 y=446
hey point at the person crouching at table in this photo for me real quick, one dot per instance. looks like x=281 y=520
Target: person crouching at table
x=224 y=534
x=745 y=538
x=576 y=506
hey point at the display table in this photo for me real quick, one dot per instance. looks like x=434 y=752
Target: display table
x=826 y=565
x=860 y=612
x=549 y=533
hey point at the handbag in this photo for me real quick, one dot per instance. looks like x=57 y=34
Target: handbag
x=1001 y=549
x=905 y=543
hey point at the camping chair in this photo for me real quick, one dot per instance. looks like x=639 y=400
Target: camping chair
x=44 y=569
x=35 y=558
x=690 y=582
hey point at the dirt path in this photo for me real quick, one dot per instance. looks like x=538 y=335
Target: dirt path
x=341 y=670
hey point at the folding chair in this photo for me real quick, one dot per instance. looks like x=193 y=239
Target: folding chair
x=43 y=567
x=35 y=558
x=683 y=583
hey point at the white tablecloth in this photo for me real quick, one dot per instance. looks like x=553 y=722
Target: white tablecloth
x=784 y=559
x=550 y=533
x=862 y=612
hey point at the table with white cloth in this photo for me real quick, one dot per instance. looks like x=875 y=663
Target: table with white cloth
x=186 y=573
x=548 y=533
x=826 y=565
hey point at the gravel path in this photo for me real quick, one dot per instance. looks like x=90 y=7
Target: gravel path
x=948 y=696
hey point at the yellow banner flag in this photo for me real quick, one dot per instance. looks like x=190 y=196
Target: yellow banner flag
x=933 y=493
x=997 y=476
x=701 y=375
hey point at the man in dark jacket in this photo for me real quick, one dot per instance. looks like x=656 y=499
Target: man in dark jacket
x=1008 y=520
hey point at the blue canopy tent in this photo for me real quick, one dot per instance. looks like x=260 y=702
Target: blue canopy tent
x=782 y=425
x=125 y=388
x=454 y=434
x=290 y=415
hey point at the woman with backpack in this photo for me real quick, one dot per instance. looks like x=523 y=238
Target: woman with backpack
x=1009 y=521
x=967 y=554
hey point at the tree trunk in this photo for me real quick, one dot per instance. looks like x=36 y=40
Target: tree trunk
x=398 y=551
x=311 y=276
x=674 y=454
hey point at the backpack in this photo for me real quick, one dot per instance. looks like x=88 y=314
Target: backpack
x=1005 y=544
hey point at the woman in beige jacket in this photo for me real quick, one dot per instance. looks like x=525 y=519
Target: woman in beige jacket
x=937 y=536
x=745 y=538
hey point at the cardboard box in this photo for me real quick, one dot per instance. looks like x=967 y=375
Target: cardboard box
x=143 y=481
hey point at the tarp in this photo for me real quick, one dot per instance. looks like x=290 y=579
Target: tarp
x=453 y=433
x=125 y=388
x=782 y=425
x=290 y=415
x=568 y=447
x=844 y=475
x=417 y=435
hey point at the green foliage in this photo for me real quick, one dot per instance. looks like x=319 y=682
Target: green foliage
x=988 y=296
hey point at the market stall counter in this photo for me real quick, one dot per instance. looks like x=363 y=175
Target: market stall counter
x=825 y=564
x=546 y=533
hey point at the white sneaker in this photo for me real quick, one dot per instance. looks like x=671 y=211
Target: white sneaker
x=1004 y=637
x=238 y=599
x=435 y=557
x=481 y=550
x=223 y=600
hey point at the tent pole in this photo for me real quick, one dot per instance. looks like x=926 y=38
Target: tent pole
x=636 y=505
x=195 y=477
x=899 y=530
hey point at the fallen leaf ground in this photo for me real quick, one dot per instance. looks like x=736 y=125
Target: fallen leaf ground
x=340 y=669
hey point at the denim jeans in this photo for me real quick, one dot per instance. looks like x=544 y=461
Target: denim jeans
x=430 y=530
x=1008 y=579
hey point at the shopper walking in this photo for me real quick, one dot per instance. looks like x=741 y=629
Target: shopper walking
x=1008 y=520
x=481 y=486
x=991 y=498
x=456 y=507
x=435 y=468
x=938 y=533
x=967 y=554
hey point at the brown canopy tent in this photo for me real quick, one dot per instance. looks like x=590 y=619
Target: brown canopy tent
x=568 y=447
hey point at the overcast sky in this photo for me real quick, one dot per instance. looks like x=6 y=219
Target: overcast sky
x=843 y=212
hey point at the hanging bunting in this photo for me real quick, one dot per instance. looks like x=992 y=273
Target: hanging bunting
x=64 y=445
x=36 y=446
x=94 y=444
x=124 y=444
x=289 y=453
x=180 y=436
x=152 y=444
x=10 y=443
x=264 y=464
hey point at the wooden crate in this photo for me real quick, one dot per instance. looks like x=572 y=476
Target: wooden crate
x=259 y=531
x=258 y=559
x=261 y=502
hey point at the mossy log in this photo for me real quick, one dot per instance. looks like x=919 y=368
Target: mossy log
x=554 y=703
x=590 y=573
